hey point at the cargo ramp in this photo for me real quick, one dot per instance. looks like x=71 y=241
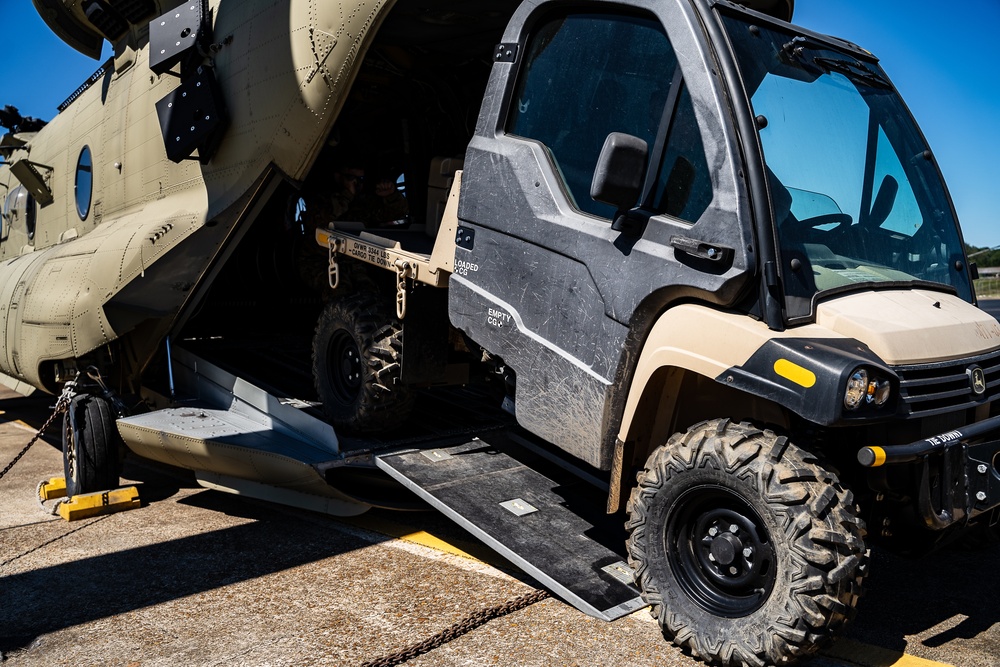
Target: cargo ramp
x=494 y=480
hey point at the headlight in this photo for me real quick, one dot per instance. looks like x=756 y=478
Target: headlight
x=865 y=389
x=857 y=389
x=878 y=391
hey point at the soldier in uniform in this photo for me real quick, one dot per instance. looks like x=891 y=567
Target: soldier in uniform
x=347 y=200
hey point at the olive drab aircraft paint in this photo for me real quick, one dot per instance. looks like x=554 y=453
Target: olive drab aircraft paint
x=279 y=70
x=549 y=266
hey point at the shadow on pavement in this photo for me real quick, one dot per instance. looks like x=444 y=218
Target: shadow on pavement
x=908 y=597
x=101 y=586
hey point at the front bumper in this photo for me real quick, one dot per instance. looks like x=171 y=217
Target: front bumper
x=958 y=481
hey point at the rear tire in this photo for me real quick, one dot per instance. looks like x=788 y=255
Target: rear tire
x=748 y=549
x=357 y=351
x=91 y=446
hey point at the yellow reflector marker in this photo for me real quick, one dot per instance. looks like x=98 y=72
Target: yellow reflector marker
x=795 y=373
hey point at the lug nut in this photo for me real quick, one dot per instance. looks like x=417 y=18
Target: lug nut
x=713 y=531
x=711 y=557
x=981 y=496
x=733 y=528
x=982 y=468
x=747 y=552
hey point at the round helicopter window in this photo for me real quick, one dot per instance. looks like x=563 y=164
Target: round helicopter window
x=84 y=182
x=30 y=215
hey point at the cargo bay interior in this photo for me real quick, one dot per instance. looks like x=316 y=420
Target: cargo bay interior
x=408 y=117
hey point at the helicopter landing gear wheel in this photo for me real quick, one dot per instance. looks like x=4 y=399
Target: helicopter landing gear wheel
x=91 y=446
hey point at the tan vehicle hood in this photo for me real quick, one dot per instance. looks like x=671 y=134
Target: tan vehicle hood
x=913 y=326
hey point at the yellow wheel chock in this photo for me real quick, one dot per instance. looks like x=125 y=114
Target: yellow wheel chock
x=52 y=489
x=85 y=505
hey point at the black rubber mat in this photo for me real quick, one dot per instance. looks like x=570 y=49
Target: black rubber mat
x=550 y=525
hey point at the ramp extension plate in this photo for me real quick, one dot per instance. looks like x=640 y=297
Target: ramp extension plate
x=548 y=524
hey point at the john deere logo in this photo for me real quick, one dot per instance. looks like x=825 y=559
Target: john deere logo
x=977 y=380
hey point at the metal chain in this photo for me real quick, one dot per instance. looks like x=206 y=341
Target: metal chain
x=458 y=629
x=69 y=390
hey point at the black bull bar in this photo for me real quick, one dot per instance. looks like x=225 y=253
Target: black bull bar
x=969 y=479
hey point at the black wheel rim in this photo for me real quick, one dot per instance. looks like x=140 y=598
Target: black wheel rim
x=345 y=368
x=720 y=552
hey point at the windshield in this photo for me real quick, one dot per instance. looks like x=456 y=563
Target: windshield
x=857 y=197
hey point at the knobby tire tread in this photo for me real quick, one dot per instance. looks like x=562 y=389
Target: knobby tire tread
x=819 y=529
x=383 y=403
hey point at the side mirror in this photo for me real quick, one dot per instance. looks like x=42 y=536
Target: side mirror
x=884 y=200
x=620 y=171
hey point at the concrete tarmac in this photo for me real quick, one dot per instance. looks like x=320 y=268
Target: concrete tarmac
x=991 y=306
x=197 y=577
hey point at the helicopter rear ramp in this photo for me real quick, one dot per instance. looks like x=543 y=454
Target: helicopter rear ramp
x=241 y=439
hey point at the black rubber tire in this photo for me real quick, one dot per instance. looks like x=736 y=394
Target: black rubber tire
x=91 y=445
x=775 y=589
x=357 y=352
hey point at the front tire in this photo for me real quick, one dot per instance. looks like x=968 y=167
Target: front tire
x=748 y=549
x=91 y=446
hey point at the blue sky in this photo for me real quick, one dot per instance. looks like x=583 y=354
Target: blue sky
x=943 y=61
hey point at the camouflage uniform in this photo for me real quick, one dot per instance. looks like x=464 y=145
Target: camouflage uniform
x=370 y=209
